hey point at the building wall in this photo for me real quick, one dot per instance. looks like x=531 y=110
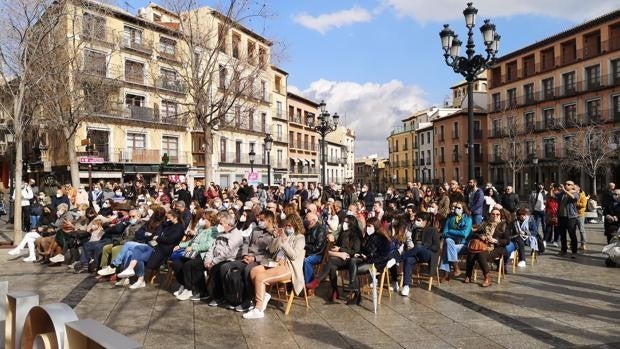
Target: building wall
x=341 y=141
x=279 y=153
x=303 y=141
x=548 y=66
x=424 y=150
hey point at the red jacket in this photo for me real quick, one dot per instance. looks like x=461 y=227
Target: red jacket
x=552 y=210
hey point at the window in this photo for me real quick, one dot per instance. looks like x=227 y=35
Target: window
x=168 y=110
x=528 y=92
x=548 y=118
x=251 y=119
x=615 y=106
x=222 y=37
x=549 y=148
x=428 y=157
x=477 y=153
x=528 y=66
x=441 y=133
x=167 y=48
x=593 y=110
x=238 y=152
x=570 y=114
x=134 y=72
x=569 y=52
x=134 y=100
x=136 y=140
x=455 y=153
x=236 y=39
x=279 y=109
x=133 y=38
x=593 y=77
x=170 y=146
x=262 y=57
x=511 y=71
x=263 y=91
x=251 y=52
x=497 y=127
x=477 y=129
x=441 y=155
x=455 y=130
x=156 y=18
x=615 y=70
x=568 y=80
x=93 y=27
x=512 y=97
x=279 y=157
x=547 y=59
x=278 y=84
x=263 y=122
x=422 y=140
x=497 y=152
x=497 y=106
x=95 y=63
x=405 y=144
x=428 y=137
x=547 y=88
x=529 y=148
x=529 y=121
x=222 y=74
x=168 y=79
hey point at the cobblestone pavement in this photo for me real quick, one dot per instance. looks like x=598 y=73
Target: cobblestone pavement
x=557 y=302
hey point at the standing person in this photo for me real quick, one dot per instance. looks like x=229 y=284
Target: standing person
x=582 y=204
x=567 y=217
x=27 y=195
x=314 y=192
x=443 y=204
x=367 y=198
x=455 y=193
x=475 y=198
x=183 y=194
x=198 y=193
x=551 y=212
x=510 y=200
x=607 y=204
x=245 y=191
x=537 y=201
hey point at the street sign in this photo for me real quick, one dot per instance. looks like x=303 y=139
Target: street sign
x=90 y=160
x=253 y=178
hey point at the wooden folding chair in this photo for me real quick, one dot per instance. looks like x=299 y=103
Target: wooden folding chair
x=430 y=272
x=500 y=270
x=289 y=295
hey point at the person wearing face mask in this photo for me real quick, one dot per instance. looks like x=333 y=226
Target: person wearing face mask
x=287 y=250
x=162 y=196
x=96 y=197
x=81 y=197
x=367 y=198
x=118 y=195
x=376 y=247
x=523 y=232
x=60 y=198
x=253 y=251
x=456 y=232
x=91 y=249
x=349 y=244
x=225 y=249
x=246 y=223
x=496 y=234
x=316 y=241
x=112 y=249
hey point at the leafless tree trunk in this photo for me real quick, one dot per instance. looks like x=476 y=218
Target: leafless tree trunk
x=512 y=145
x=24 y=25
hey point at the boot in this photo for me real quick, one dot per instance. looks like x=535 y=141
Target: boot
x=487 y=281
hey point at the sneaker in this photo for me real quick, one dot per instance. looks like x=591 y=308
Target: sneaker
x=405 y=291
x=29 y=259
x=138 y=284
x=185 y=295
x=126 y=273
x=521 y=264
x=555 y=243
x=59 y=258
x=265 y=301
x=123 y=282
x=73 y=265
x=198 y=297
x=545 y=244
x=216 y=302
x=228 y=306
x=15 y=251
x=394 y=287
x=179 y=291
x=242 y=308
x=583 y=246
x=391 y=263
x=254 y=314
x=109 y=270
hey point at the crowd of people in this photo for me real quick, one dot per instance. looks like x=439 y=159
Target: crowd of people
x=227 y=245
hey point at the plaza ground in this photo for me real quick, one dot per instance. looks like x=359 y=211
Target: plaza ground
x=556 y=303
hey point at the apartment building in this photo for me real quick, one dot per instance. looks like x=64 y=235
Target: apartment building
x=303 y=140
x=548 y=90
x=279 y=152
x=340 y=155
x=371 y=171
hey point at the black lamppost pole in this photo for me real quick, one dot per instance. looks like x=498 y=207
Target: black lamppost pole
x=268 y=143
x=471 y=66
x=252 y=155
x=327 y=123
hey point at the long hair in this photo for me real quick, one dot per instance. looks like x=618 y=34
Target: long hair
x=295 y=222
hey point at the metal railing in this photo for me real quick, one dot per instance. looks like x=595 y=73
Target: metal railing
x=95 y=34
x=171 y=85
x=241 y=158
x=143 y=45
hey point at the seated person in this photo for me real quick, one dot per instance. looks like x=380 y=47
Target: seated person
x=456 y=232
x=287 y=249
x=523 y=232
x=495 y=232
x=316 y=242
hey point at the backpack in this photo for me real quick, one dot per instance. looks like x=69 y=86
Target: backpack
x=591 y=206
x=232 y=286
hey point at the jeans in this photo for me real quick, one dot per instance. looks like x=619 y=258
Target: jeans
x=125 y=253
x=568 y=225
x=451 y=254
x=92 y=249
x=34 y=222
x=541 y=219
x=310 y=262
x=411 y=257
x=190 y=274
x=582 y=228
x=552 y=233
x=476 y=219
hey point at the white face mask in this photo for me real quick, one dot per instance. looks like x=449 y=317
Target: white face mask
x=290 y=231
x=370 y=230
x=242 y=219
x=418 y=224
x=58 y=195
x=106 y=205
x=119 y=193
x=282 y=215
x=345 y=226
x=431 y=209
x=220 y=228
x=262 y=224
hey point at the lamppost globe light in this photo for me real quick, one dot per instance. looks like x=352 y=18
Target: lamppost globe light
x=268 y=142
x=470 y=15
x=252 y=155
x=446 y=35
x=335 y=118
x=325 y=124
x=456 y=47
x=322 y=107
x=488 y=32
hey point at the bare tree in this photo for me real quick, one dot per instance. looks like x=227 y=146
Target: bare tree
x=513 y=149
x=79 y=82
x=25 y=25
x=589 y=147
x=220 y=80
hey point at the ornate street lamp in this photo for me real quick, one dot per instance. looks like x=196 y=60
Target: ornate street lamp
x=327 y=123
x=268 y=143
x=252 y=155
x=471 y=66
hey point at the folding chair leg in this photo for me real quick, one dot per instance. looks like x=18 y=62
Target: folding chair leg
x=306 y=297
x=381 y=287
x=500 y=270
x=430 y=283
x=387 y=276
x=289 y=303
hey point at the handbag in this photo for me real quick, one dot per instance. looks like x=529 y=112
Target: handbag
x=477 y=246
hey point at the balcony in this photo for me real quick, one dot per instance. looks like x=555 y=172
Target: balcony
x=280 y=137
x=171 y=85
x=135 y=78
x=303 y=170
x=497 y=133
x=169 y=56
x=99 y=35
x=146 y=156
x=402 y=130
x=142 y=46
x=241 y=158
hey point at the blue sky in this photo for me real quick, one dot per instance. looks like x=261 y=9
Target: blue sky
x=377 y=61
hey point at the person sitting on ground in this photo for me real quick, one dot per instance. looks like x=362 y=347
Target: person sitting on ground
x=287 y=250
x=189 y=270
x=426 y=248
x=456 y=232
x=349 y=244
x=495 y=233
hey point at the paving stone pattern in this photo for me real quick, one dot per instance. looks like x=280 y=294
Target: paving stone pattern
x=556 y=303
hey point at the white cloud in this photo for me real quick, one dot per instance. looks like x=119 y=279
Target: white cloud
x=445 y=10
x=371 y=109
x=325 y=22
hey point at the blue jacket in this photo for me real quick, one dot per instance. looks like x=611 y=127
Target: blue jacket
x=476 y=203
x=460 y=232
